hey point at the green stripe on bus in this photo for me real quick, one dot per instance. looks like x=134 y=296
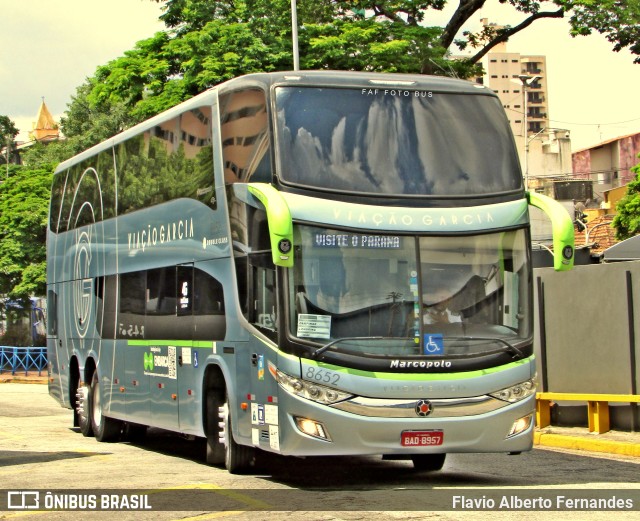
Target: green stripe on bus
x=177 y=343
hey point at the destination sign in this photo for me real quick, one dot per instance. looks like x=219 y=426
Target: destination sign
x=353 y=240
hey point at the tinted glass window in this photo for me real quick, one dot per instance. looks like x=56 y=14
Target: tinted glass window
x=89 y=194
x=175 y=302
x=245 y=137
x=174 y=159
x=132 y=305
x=57 y=191
x=395 y=142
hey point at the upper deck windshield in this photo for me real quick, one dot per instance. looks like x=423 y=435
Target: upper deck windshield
x=395 y=142
x=404 y=295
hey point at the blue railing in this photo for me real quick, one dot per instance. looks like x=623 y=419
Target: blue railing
x=18 y=359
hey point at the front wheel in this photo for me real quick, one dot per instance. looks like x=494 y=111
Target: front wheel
x=237 y=458
x=215 y=436
x=428 y=462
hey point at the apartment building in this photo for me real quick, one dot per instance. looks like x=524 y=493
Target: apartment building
x=521 y=84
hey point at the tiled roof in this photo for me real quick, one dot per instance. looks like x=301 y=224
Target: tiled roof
x=601 y=234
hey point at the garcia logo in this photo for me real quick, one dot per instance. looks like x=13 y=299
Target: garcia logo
x=83 y=284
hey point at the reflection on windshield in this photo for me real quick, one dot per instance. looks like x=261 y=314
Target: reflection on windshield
x=418 y=143
x=427 y=294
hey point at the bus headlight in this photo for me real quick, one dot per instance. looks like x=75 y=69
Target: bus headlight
x=517 y=392
x=520 y=425
x=310 y=391
x=312 y=428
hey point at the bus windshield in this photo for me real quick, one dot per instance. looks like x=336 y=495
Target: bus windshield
x=394 y=142
x=403 y=295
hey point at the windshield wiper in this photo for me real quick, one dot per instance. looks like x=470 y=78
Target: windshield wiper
x=517 y=353
x=322 y=349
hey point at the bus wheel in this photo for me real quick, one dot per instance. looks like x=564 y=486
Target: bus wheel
x=428 y=461
x=104 y=429
x=237 y=458
x=83 y=409
x=215 y=428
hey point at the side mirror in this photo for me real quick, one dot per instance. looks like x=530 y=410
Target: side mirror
x=562 y=226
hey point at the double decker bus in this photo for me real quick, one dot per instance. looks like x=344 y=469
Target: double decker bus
x=305 y=263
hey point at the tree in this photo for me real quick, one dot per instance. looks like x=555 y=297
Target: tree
x=24 y=198
x=209 y=41
x=627 y=220
x=617 y=20
x=8 y=133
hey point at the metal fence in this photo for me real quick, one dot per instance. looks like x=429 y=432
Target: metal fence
x=23 y=359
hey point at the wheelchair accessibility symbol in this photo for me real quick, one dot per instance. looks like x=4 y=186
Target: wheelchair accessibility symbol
x=433 y=344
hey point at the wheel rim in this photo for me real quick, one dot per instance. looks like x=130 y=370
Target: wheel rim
x=97 y=405
x=223 y=415
x=82 y=401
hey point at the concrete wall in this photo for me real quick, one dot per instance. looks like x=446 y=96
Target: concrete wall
x=585 y=340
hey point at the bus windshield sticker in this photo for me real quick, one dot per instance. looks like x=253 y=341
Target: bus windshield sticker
x=433 y=344
x=314 y=326
x=353 y=240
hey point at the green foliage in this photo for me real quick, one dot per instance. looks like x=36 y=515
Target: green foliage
x=627 y=220
x=24 y=206
x=210 y=41
x=8 y=130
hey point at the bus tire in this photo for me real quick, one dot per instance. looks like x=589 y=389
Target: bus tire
x=215 y=442
x=237 y=458
x=428 y=462
x=104 y=429
x=82 y=411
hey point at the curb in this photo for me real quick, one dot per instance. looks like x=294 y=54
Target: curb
x=7 y=379
x=562 y=441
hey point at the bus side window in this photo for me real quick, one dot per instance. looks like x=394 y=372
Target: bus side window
x=245 y=136
x=109 y=306
x=208 y=307
x=132 y=305
x=263 y=281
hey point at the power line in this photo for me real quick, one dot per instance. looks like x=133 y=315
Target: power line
x=521 y=113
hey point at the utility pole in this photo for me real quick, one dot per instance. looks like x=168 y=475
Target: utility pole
x=526 y=82
x=294 y=35
x=7 y=152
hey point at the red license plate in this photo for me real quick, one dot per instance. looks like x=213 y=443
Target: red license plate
x=421 y=438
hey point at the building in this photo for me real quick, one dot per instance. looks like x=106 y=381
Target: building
x=520 y=82
x=44 y=128
x=608 y=164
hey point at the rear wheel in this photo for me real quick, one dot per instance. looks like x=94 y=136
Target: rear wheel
x=83 y=409
x=104 y=428
x=428 y=462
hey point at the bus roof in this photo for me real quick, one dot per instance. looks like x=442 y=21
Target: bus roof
x=340 y=79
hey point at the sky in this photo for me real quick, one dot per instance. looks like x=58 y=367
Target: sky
x=48 y=48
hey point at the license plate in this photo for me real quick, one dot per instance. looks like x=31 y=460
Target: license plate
x=421 y=438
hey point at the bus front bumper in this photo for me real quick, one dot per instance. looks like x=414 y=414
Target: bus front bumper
x=310 y=429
